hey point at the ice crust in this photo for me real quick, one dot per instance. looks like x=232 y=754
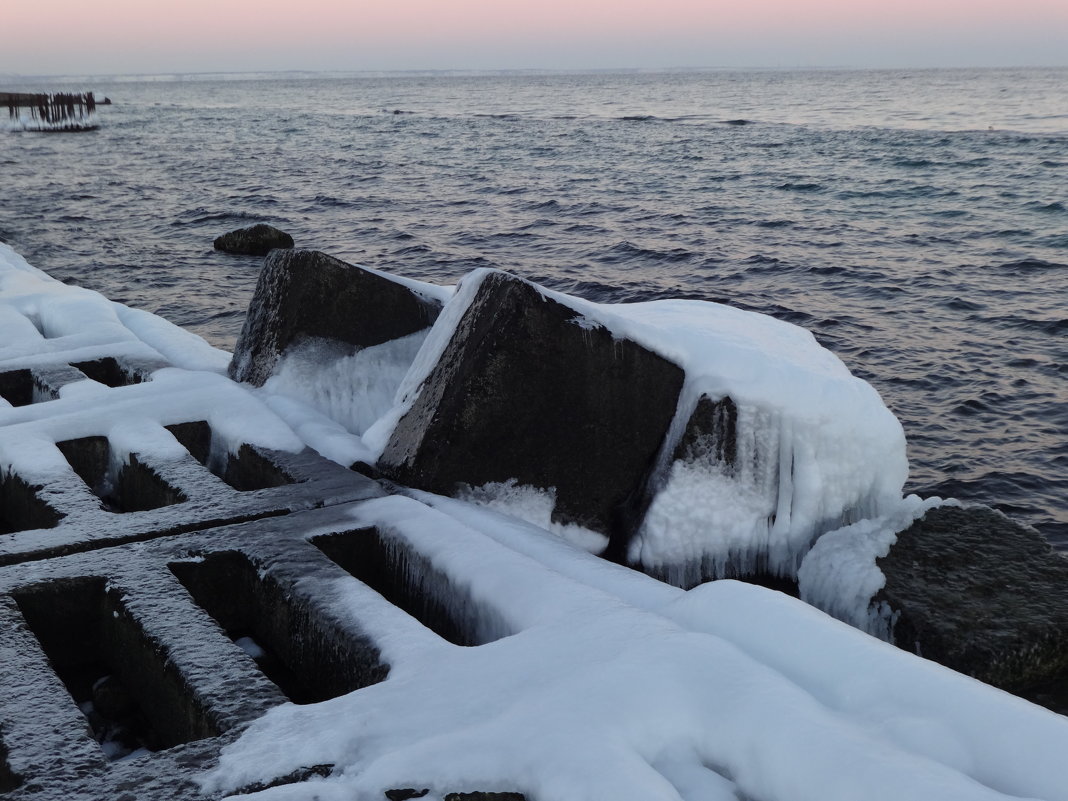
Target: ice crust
x=23 y=120
x=840 y=574
x=817 y=448
x=355 y=389
x=533 y=505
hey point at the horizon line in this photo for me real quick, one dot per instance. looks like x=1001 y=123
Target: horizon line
x=461 y=71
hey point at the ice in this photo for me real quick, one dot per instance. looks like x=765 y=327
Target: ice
x=325 y=435
x=355 y=389
x=23 y=120
x=250 y=647
x=840 y=575
x=533 y=505
x=818 y=449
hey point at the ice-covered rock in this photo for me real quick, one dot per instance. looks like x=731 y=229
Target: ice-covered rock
x=706 y=441
x=256 y=240
x=529 y=390
x=982 y=594
x=703 y=441
x=308 y=300
x=965 y=587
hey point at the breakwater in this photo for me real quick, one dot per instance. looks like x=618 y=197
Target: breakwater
x=179 y=564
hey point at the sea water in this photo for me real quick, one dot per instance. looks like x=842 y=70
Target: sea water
x=915 y=221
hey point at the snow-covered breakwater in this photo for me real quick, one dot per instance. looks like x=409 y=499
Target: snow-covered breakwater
x=601 y=414
x=578 y=678
x=688 y=439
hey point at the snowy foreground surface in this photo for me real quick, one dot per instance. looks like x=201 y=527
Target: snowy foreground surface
x=594 y=681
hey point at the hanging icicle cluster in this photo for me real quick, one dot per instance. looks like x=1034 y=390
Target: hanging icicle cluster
x=61 y=111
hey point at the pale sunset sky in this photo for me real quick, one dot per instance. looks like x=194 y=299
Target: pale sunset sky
x=47 y=37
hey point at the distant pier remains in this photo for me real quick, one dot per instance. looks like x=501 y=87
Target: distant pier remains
x=61 y=111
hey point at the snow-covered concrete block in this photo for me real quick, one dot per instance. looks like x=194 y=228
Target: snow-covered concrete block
x=530 y=390
x=305 y=298
x=127 y=669
x=104 y=496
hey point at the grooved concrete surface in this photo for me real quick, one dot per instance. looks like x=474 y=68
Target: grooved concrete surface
x=50 y=747
x=182 y=585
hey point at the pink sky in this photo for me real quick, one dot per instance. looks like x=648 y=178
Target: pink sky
x=112 y=36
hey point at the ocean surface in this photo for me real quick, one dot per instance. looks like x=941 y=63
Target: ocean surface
x=915 y=221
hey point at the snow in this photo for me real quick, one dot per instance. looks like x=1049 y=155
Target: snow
x=725 y=689
x=46 y=322
x=818 y=449
x=840 y=575
x=592 y=680
x=533 y=505
x=132 y=418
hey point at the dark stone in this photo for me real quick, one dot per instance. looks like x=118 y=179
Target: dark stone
x=304 y=294
x=365 y=469
x=83 y=625
x=21 y=508
x=256 y=240
x=711 y=433
x=308 y=661
x=112 y=699
x=295 y=777
x=981 y=594
x=405 y=793
x=109 y=372
x=529 y=389
x=16 y=387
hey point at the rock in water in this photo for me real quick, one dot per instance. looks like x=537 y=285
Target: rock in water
x=530 y=390
x=256 y=240
x=304 y=294
x=981 y=594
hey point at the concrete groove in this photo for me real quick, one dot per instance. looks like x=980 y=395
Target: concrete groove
x=177 y=595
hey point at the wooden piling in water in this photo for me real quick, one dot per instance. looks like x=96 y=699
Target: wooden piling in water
x=59 y=111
